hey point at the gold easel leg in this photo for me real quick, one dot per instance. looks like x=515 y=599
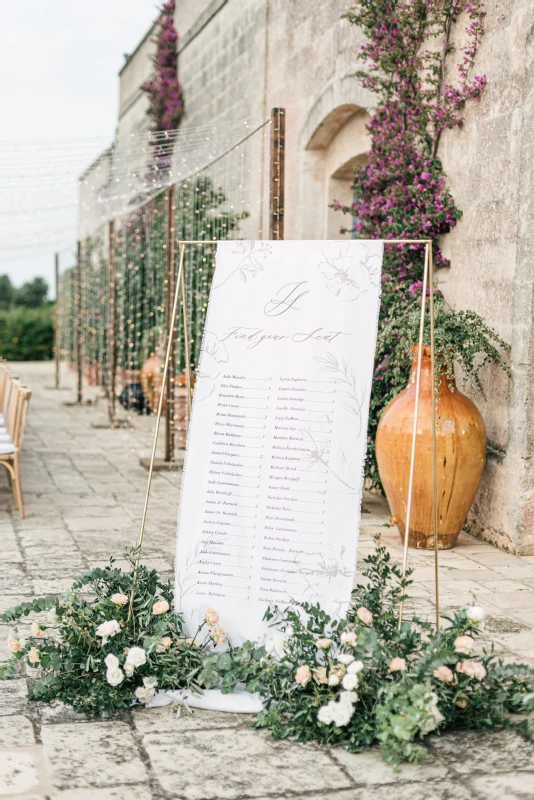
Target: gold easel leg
x=434 y=422
x=415 y=416
x=158 y=419
x=186 y=346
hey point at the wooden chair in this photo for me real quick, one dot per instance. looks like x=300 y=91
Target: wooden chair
x=15 y=421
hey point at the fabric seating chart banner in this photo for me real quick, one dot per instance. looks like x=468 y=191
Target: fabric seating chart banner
x=273 y=477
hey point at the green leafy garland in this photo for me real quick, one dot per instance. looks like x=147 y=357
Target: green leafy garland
x=351 y=682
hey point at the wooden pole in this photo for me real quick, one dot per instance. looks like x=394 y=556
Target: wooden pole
x=79 y=333
x=57 y=343
x=276 y=209
x=169 y=382
x=111 y=327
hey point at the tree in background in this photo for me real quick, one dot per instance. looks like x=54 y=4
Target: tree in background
x=7 y=292
x=32 y=294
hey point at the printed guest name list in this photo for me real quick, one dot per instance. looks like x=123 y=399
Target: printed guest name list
x=269 y=510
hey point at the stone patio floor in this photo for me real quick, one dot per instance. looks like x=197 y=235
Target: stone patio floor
x=84 y=490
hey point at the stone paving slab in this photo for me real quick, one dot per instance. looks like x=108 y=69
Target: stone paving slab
x=84 y=491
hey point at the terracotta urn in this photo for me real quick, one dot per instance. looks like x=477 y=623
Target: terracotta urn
x=152 y=380
x=460 y=452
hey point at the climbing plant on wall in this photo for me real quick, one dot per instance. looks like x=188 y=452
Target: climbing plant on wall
x=164 y=90
x=422 y=81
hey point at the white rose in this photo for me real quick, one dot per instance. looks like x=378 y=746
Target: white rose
x=107 y=629
x=342 y=713
x=111 y=661
x=348 y=697
x=279 y=645
x=269 y=646
x=52 y=617
x=350 y=682
x=477 y=615
x=150 y=682
x=349 y=637
x=334 y=680
x=144 y=694
x=128 y=669
x=136 y=657
x=289 y=631
x=326 y=713
x=114 y=676
x=354 y=667
x=345 y=658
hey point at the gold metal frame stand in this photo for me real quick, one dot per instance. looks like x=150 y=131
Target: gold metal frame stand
x=428 y=283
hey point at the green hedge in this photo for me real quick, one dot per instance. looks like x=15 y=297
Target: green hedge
x=27 y=334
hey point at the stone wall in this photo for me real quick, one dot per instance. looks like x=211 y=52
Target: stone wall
x=239 y=58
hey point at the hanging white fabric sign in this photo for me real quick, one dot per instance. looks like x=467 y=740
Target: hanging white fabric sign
x=272 y=483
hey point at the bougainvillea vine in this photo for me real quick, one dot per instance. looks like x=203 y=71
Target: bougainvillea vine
x=164 y=90
x=422 y=82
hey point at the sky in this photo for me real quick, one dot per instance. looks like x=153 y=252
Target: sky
x=59 y=61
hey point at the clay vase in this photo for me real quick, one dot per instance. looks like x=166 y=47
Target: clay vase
x=460 y=456
x=152 y=380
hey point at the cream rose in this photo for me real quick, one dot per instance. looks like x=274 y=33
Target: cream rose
x=303 y=674
x=323 y=644
x=119 y=599
x=37 y=631
x=397 y=665
x=218 y=634
x=350 y=682
x=150 y=682
x=161 y=607
x=354 y=667
x=443 y=673
x=107 y=629
x=477 y=615
x=473 y=669
x=145 y=693
x=336 y=676
x=114 y=676
x=364 y=615
x=128 y=669
x=34 y=656
x=136 y=657
x=111 y=661
x=211 y=616
x=345 y=658
x=464 y=644
x=349 y=637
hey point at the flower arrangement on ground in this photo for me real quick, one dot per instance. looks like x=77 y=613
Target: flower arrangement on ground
x=362 y=681
x=96 y=657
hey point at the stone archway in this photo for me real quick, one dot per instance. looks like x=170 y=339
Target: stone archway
x=333 y=141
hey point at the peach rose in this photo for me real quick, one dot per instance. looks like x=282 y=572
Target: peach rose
x=34 y=656
x=462 y=700
x=323 y=644
x=119 y=599
x=473 y=669
x=364 y=615
x=14 y=644
x=443 y=673
x=320 y=675
x=218 y=634
x=464 y=644
x=164 y=644
x=161 y=607
x=211 y=616
x=303 y=674
x=397 y=665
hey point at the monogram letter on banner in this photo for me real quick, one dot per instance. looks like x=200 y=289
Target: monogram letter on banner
x=273 y=477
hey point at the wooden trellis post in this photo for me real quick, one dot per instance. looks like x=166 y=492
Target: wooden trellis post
x=79 y=325
x=277 y=185
x=169 y=387
x=111 y=327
